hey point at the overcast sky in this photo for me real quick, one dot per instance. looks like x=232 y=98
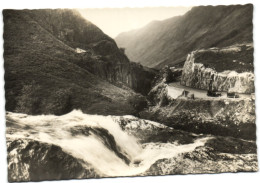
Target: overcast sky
x=113 y=21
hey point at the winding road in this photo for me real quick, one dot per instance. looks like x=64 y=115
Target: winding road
x=175 y=89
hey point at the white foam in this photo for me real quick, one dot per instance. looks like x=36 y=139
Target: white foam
x=56 y=130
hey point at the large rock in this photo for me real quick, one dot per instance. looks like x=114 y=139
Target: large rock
x=78 y=145
x=204 y=160
x=195 y=73
x=31 y=160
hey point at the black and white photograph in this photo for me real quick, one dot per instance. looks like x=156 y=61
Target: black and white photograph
x=96 y=93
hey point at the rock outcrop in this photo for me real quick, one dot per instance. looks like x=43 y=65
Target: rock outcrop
x=196 y=74
x=234 y=118
x=127 y=73
x=204 y=159
x=217 y=116
x=78 y=145
x=30 y=160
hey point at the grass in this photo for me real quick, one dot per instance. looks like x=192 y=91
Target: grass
x=43 y=73
x=227 y=59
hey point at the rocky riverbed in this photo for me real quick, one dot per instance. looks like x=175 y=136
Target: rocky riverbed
x=78 y=145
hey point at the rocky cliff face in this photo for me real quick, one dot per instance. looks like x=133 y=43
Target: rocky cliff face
x=125 y=73
x=198 y=73
x=218 y=116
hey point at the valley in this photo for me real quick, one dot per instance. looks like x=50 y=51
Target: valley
x=168 y=42
x=81 y=105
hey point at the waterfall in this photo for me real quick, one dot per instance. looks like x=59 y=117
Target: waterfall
x=95 y=139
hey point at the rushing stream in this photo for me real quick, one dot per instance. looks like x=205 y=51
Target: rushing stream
x=98 y=140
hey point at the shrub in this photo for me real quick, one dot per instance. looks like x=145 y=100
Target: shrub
x=139 y=102
x=28 y=101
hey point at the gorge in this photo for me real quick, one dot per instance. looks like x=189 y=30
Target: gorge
x=77 y=107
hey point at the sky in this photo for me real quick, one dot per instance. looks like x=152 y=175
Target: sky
x=113 y=21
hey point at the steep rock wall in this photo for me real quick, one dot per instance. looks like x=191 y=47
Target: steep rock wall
x=217 y=116
x=115 y=67
x=196 y=75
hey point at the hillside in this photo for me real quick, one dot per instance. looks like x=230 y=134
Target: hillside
x=45 y=74
x=78 y=108
x=169 y=41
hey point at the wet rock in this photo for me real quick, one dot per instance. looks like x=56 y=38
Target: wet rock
x=167 y=150
x=150 y=131
x=30 y=160
x=207 y=116
x=204 y=160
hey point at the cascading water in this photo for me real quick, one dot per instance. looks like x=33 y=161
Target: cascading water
x=95 y=140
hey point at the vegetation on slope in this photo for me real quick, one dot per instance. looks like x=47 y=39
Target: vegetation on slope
x=238 y=57
x=168 y=42
x=43 y=73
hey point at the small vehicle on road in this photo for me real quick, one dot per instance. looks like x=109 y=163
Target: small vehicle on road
x=213 y=93
x=232 y=95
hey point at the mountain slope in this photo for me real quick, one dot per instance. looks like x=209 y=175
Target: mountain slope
x=169 y=41
x=45 y=74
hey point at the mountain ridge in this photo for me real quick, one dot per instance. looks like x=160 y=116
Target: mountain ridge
x=201 y=27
